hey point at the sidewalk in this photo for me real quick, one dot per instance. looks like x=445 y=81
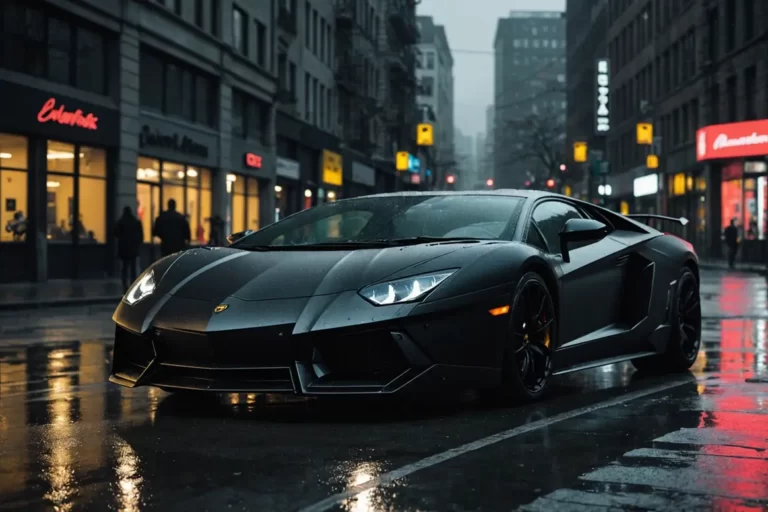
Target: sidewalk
x=723 y=265
x=62 y=292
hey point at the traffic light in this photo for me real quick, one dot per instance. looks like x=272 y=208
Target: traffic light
x=489 y=182
x=450 y=179
x=550 y=183
x=562 y=168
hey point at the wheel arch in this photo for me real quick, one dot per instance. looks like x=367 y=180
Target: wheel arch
x=544 y=270
x=691 y=264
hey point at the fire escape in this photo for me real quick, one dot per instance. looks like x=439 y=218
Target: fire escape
x=400 y=112
x=355 y=79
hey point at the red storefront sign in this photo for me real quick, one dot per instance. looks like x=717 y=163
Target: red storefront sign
x=50 y=113
x=733 y=140
x=253 y=160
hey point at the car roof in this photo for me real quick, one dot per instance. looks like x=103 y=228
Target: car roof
x=510 y=192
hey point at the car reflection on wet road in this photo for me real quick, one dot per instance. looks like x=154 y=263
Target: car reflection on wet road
x=603 y=439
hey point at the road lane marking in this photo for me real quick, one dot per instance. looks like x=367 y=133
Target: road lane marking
x=439 y=458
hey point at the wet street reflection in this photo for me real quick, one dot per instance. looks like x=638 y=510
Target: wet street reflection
x=604 y=438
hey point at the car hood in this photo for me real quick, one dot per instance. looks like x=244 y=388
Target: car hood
x=212 y=274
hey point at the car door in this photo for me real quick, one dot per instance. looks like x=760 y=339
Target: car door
x=590 y=283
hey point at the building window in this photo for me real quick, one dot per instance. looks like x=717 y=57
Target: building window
x=177 y=7
x=250 y=117
x=39 y=41
x=430 y=60
x=70 y=167
x=427 y=86
x=189 y=186
x=307 y=21
x=176 y=89
x=261 y=44
x=243 y=204
x=240 y=30
x=199 y=13
x=13 y=188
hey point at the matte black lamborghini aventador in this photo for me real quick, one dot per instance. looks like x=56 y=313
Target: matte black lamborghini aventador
x=414 y=292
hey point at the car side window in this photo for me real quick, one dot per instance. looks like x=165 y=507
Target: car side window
x=534 y=238
x=551 y=217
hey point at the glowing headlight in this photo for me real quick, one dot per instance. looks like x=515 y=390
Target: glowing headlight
x=142 y=288
x=404 y=290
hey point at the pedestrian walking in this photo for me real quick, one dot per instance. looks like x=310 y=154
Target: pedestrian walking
x=731 y=237
x=129 y=234
x=172 y=228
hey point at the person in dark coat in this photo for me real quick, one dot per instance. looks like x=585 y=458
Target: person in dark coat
x=172 y=228
x=130 y=235
x=731 y=236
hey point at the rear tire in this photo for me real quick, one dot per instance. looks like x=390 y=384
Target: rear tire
x=527 y=363
x=685 y=341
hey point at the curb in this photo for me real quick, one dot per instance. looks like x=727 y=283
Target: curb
x=54 y=303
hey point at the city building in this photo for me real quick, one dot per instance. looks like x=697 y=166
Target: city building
x=586 y=44
x=229 y=108
x=686 y=68
x=434 y=73
x=529 y=96
x=481 y=159
x=464 y=156
x=489 y=168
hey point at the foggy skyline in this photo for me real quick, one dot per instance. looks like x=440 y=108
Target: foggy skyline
x=470 y=30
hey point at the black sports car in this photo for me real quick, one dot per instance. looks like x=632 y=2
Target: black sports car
x=413 y=292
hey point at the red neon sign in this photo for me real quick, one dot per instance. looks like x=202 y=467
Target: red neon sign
x=732 y=140
x=51 y=113
x=253 y=160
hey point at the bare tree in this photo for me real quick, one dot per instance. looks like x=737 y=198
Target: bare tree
x=539 y=140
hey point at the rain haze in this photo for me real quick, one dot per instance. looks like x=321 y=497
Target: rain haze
x=471 y=27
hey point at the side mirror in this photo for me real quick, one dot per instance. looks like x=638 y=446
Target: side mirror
x=580 y=230
x=234 y=237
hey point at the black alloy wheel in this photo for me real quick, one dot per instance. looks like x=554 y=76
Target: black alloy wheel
x=685 y=339
x=528 y=358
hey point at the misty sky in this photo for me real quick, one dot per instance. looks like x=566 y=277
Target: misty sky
x=471 y=27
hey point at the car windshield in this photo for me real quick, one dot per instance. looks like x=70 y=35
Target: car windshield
x=385 y=219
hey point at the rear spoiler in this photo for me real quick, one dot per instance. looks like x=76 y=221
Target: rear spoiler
x=639 y=216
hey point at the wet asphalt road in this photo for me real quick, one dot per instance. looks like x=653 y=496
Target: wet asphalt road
x=605 y=439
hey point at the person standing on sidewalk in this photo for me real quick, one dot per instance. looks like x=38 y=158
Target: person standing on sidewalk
x=731 y=236
x=130 y=235
x=172 y=228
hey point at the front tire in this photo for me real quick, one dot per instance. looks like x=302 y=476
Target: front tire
x=685 y=341
x=527 y=363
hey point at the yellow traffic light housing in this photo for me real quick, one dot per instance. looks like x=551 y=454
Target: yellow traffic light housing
x=652 y=162
x=580 y=152
x=645 y=134
x=401 y=160
x=425 y=135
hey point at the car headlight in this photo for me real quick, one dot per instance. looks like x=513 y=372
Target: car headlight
x=142 y=288
x=404 y=290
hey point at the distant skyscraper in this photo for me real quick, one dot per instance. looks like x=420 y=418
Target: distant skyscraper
x=529 y=80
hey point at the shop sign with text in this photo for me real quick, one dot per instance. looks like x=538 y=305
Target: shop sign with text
x=603 y=104
x=732 y=140
x=332 y=169
x=154 y=138
x=56 y=116
x=253 y=161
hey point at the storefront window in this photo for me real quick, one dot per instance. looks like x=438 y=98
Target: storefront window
x=157 y=182
x=93 y=193
x=13 y=188
x=243 y=204
x=60 y=186
x=731 y=202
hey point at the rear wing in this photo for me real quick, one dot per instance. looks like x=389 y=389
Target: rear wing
x=647 y=216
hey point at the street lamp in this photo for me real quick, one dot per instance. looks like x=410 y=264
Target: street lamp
x=489 y=182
